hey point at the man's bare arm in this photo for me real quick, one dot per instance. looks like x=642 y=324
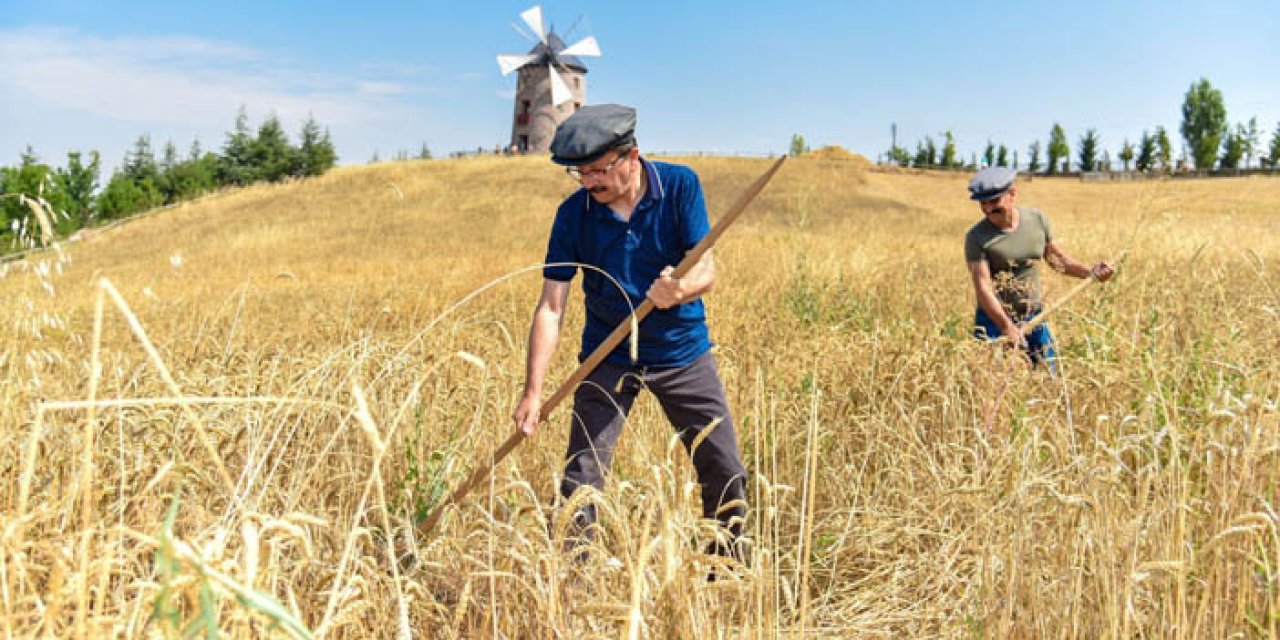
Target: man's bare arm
x=1061 y=261
x=544 y=335
x=985 y=291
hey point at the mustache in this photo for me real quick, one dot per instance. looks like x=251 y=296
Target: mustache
x=598 y=189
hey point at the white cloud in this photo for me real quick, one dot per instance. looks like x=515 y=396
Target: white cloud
x=371 y=88
x=396 y=68
x=63 y=90
x=178 y=81
x=66 y=89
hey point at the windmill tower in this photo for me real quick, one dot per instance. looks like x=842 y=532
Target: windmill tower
x=551 y=84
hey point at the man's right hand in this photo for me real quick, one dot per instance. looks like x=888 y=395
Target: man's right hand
x=1014 y=337
x=527 y=413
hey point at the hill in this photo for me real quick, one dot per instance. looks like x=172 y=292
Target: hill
x=907 y=480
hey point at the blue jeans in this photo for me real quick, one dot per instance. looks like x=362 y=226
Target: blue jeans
x=1040 y=346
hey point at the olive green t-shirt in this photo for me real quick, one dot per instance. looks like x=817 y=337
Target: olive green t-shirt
x=1012 y=257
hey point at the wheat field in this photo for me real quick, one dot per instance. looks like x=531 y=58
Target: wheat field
x=281 y=379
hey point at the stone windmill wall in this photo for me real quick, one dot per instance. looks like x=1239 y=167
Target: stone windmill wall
x=534 y=119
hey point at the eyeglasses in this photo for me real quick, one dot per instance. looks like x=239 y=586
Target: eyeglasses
x=578 y=173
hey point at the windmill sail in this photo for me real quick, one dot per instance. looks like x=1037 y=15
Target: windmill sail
x=533 y=17
x=511 y=62
x=560 y=93
x=584 y=47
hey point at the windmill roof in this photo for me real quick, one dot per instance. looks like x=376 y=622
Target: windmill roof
x=545 y=52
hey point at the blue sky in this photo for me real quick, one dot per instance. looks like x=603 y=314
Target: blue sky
x=726 y=77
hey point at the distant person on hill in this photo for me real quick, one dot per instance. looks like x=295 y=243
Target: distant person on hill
x=1002 y=252
x=633 y=219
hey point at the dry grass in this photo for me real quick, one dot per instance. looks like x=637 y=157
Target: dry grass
x=908 y=482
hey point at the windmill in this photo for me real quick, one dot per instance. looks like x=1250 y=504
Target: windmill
x=551 y=84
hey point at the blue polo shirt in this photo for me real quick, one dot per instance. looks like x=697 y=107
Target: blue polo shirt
x=667 y=222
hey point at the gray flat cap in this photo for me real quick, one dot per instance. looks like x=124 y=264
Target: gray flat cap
x=591 y=132
x=991 y=183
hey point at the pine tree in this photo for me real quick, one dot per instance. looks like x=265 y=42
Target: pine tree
x=1002 y=156
x=142 y=172
x=236 y=166
x=1164 y=150
x=989 y=154
x=78 y=182
x=1088 y=158
x=425 y=152
x=315 y=153
x=167 y=179
x=1234 y=148
x=1146 y=159
x=273 y=158
x=140 y=162
x=1033 y=160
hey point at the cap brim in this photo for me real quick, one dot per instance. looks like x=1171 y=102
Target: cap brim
x=577 y=162
x=987 y=196
x=624 y=139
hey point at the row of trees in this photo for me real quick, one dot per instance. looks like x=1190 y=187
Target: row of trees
x=144 y=181
x=1209 y=142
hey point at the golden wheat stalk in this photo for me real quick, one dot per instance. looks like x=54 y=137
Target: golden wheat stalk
x=140 y=333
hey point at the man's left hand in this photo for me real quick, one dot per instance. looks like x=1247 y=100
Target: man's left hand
x=1102 y=272
x=667 y=291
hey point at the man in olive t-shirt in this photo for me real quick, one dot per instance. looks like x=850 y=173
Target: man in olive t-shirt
x=1003 y=252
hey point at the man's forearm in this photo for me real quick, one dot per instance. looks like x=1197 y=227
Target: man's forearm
x=1063 y=262
x=991 y=305
x=1072 y=267
x=544 y=334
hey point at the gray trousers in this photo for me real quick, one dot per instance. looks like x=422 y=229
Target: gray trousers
x=692 y=397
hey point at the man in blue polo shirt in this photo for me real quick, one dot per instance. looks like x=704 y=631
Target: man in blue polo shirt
x=633 y=219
